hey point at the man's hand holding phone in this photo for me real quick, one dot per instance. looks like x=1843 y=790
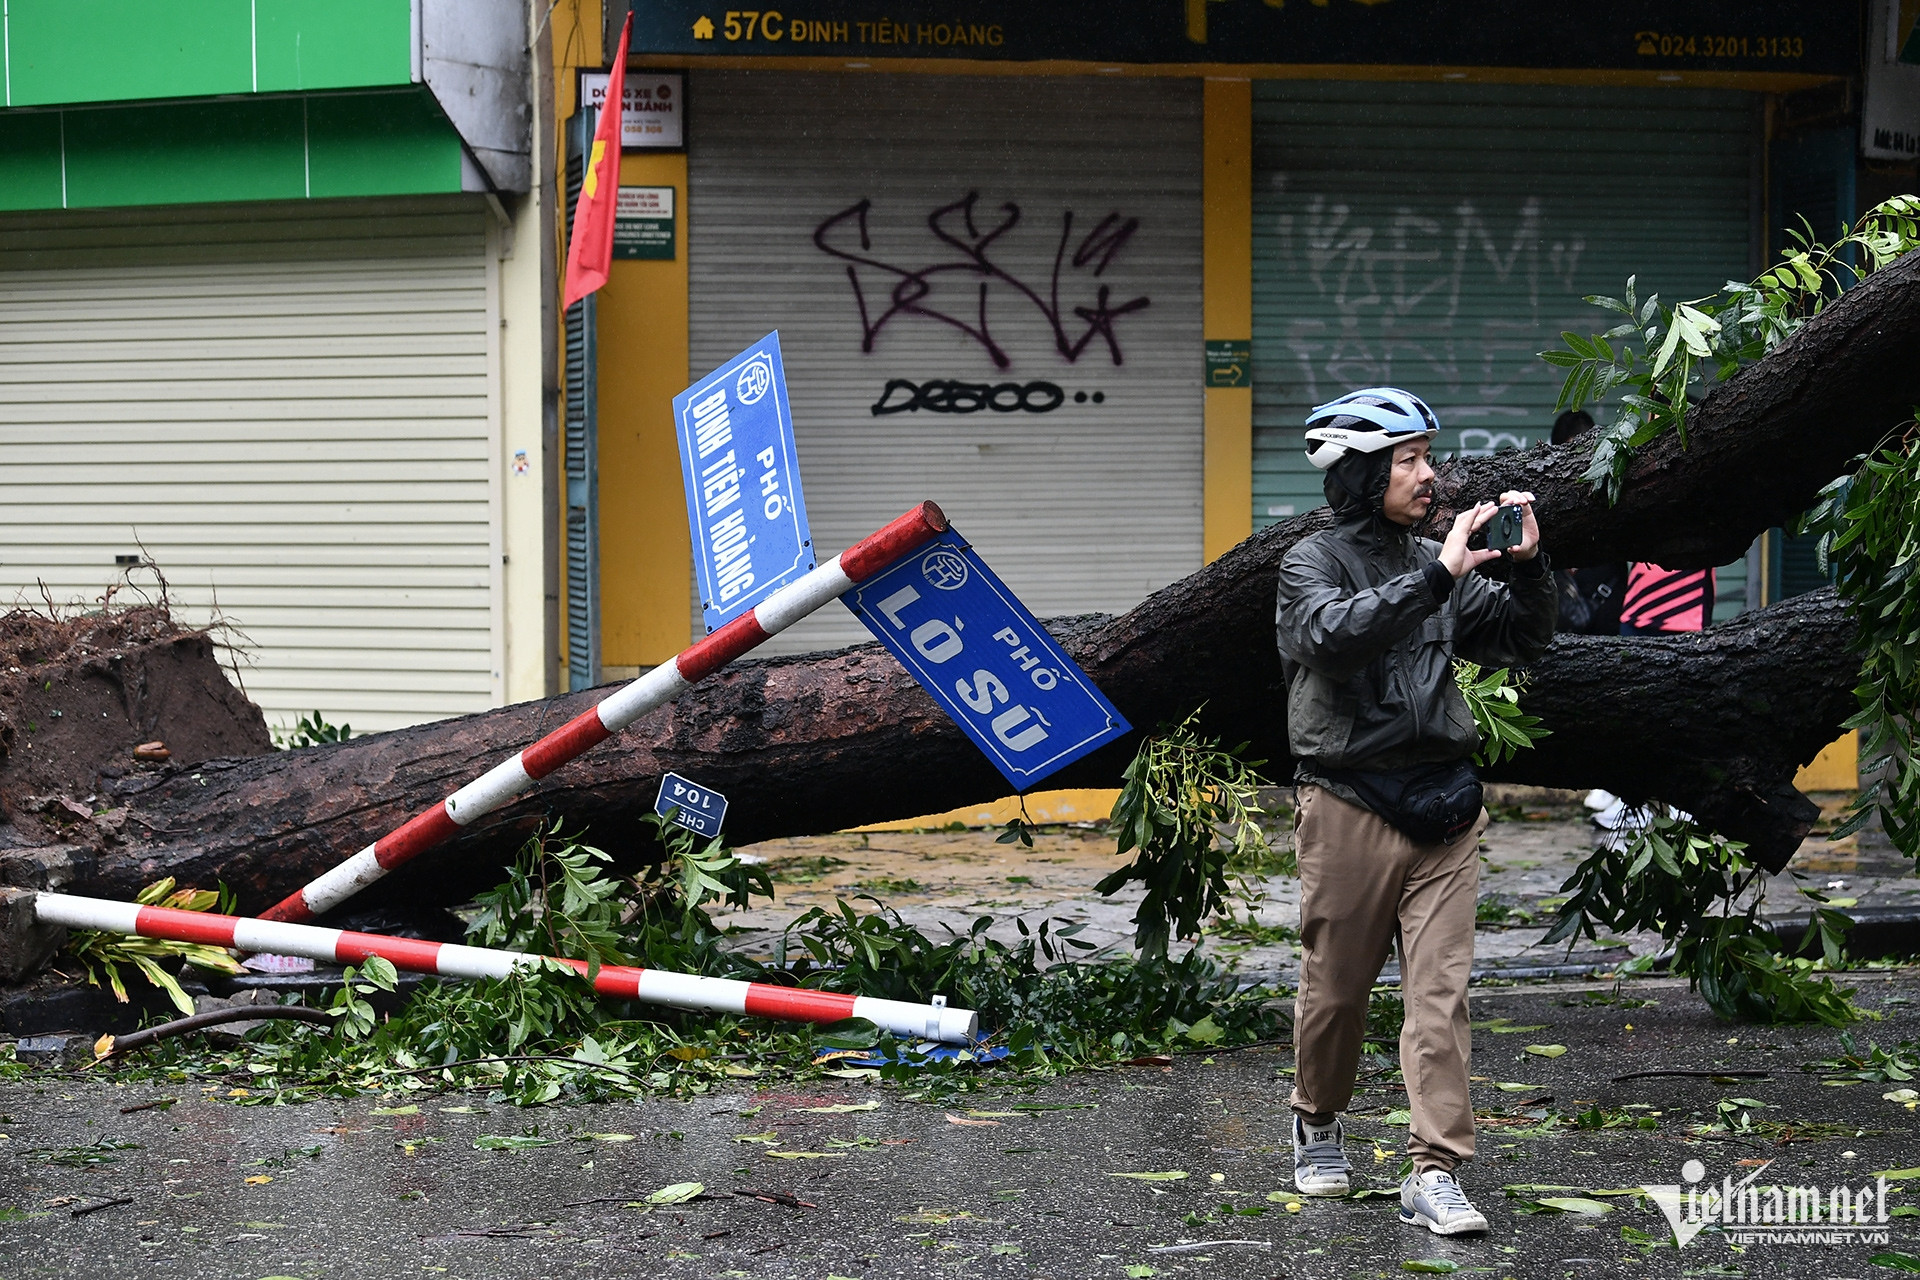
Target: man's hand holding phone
x=1515 y=533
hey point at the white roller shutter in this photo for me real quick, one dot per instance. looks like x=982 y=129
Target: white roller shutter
x=1088 y=507
x=288 y=407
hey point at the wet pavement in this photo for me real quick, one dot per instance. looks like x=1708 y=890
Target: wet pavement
x=947 y=879
x=860 y=1179
x=1127 y=1173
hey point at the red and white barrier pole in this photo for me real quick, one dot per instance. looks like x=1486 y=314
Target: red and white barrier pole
x=501 y=784
x=451 y=960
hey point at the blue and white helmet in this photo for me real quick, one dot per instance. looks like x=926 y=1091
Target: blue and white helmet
x=1364 y=421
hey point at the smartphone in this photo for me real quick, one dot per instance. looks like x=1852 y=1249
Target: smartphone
x=1506 y=529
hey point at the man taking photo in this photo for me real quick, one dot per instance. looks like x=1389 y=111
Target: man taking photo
x=1389 y=818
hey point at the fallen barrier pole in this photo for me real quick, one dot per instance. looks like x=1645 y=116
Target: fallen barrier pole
x=452 y=960
x=504 y=782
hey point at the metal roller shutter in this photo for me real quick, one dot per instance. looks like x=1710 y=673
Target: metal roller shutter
x=1437 y=236
x=1088 y=507
x=288 y=408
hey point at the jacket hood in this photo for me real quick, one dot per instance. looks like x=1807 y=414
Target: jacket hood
x=1356 y=489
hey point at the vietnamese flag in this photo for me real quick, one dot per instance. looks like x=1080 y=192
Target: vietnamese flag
x=590 y=249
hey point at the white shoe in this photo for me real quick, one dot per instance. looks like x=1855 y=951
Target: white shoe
x=1599 y=798
x=1320 y=1166
x=1619 y=817
x=1435 y=1201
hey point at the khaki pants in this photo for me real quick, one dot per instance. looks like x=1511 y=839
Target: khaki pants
x=1362 y=884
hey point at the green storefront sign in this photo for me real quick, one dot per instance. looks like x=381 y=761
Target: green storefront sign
x=109 y=103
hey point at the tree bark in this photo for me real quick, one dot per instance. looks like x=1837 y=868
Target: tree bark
x=1715 y=723
x=1759 y=446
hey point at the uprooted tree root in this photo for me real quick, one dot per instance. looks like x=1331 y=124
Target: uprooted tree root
x=81 y=686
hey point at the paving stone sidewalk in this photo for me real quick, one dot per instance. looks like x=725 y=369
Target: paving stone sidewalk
x=947 y=879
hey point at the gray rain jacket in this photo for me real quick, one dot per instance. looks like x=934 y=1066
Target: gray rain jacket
x=1369 y=623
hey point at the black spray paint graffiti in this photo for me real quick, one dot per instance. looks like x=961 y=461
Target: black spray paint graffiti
x=949 y=395
x=954 y=226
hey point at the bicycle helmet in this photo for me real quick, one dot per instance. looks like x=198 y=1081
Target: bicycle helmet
x=1366 y=421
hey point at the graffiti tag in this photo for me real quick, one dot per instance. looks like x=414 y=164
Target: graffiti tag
x=975 y=273
x=947 y=395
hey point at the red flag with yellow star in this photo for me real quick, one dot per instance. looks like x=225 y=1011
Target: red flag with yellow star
x=590 y=249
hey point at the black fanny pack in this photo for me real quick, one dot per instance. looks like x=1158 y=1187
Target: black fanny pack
x=1429 y=804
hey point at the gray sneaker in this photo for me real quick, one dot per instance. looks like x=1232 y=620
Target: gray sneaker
x=1435 y=1201
x=1320 y=1165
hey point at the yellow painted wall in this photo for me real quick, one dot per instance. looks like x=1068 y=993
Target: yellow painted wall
x=574 y=27
x=646 y=608
x=1227 y=309
x=645 y=550
x=1836 y=768
x=1091 y=804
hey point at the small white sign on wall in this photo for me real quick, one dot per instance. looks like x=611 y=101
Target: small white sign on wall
x=654 y=117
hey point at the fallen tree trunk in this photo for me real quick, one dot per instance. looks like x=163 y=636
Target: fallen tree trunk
x=1714 y=723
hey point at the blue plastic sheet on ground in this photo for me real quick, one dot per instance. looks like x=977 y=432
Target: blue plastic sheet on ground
x=925 y=1053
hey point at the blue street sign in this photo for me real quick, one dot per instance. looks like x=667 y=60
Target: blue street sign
x=699 y=809
x=744 y=505
x=986 y=661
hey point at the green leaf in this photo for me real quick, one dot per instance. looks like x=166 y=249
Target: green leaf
x=166 y=982
x=1546 y=1050
x=1431 y=1266
x=1575 y=1204
x=1205 y=1031
x=676 y=1193
x=1171 y=1175
x=1668 y=348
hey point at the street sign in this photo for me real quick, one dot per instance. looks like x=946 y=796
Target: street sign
x=971 y=643
x=744 y=504
x=686 y=803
